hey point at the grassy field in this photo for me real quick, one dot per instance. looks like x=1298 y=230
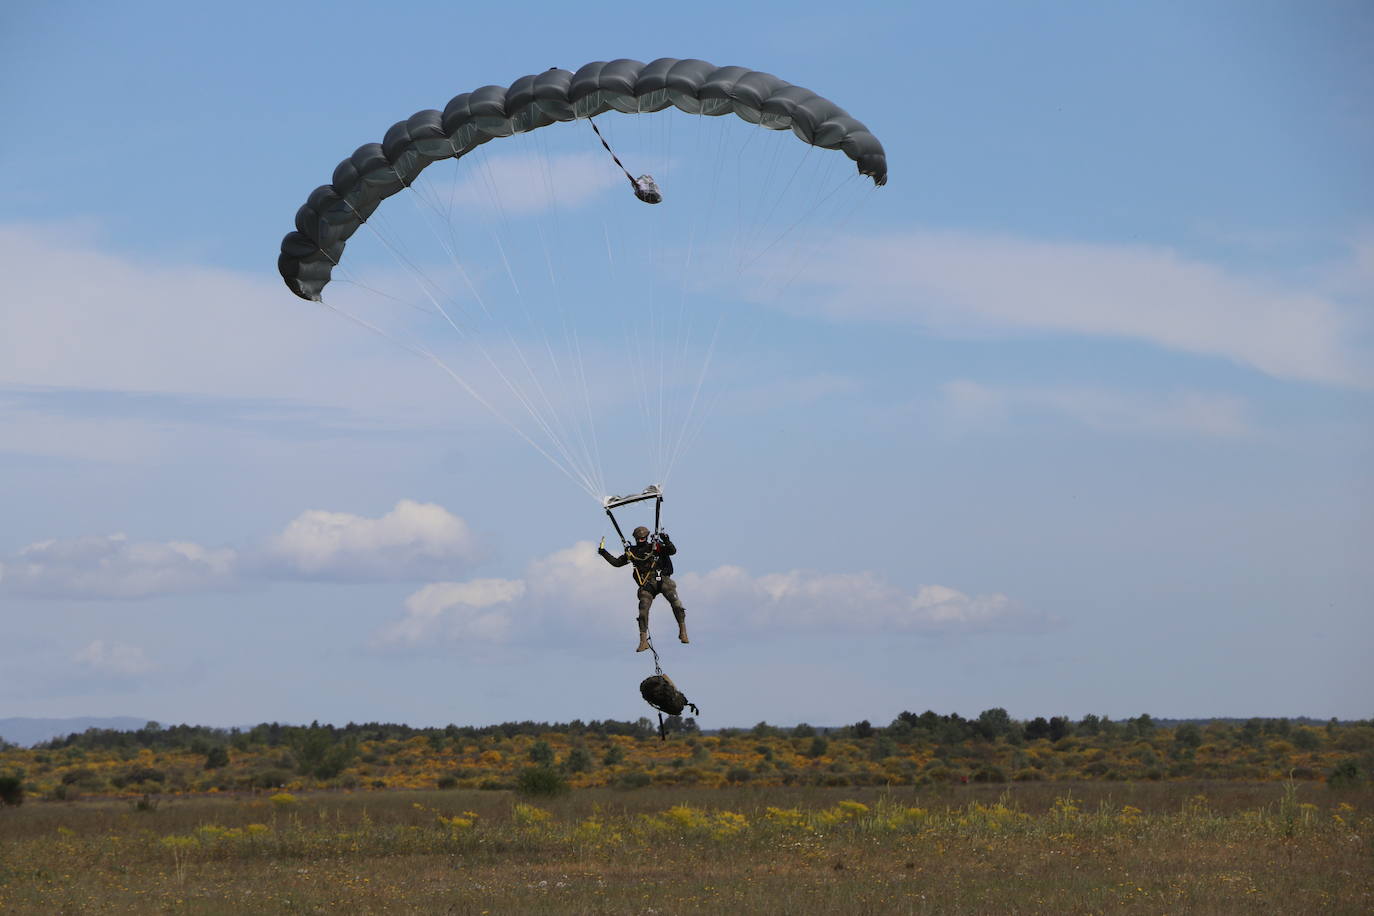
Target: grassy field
x=1166 y=847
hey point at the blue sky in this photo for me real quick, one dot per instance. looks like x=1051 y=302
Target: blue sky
x=1072 y=416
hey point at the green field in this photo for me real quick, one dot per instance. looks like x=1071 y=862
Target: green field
x=1223 y=847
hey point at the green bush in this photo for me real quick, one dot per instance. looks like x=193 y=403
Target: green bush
x=1345 y=775
x=11 y=791
x=989 y=774
x=268 y=779
x=635 y=779
x=578 y=760
x=541 y=781
x=541 y=754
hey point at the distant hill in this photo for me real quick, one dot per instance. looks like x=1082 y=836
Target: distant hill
x=28 y=732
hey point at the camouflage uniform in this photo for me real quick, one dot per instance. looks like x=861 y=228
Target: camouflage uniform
x=653 y=573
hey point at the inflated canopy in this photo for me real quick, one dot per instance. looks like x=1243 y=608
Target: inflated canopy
x=375 y=171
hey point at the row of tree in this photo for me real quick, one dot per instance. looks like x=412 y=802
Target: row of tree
x=310 y=741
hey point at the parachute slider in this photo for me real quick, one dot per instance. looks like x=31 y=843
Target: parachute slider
x=650 y=492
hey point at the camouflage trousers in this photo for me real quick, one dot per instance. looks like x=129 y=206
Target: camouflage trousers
x=668 y=589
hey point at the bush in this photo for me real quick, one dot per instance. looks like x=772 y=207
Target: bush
x=268 y=779
x=447 y=782
x=11 y=791
x=635 y=779
x=578 y=760
x=739 y=775
x=540 y=781
x=989 y=774
x=541 y=754
x=83 y=775
x=1345 y=775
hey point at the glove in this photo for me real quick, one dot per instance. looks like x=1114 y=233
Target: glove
x=663 y=536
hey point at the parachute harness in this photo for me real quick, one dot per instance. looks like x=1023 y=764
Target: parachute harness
x=646 y=189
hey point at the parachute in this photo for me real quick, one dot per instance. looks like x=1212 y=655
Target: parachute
x=375 y=171
x=537 y=261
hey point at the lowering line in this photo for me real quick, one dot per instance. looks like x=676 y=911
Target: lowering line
x=646 y=189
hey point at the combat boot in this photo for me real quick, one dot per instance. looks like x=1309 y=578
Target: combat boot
x=643 y=640
x=682 y=627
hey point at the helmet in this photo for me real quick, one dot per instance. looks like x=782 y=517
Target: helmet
x=641 y=533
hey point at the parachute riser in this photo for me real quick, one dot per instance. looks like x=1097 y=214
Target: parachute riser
x=615 y=502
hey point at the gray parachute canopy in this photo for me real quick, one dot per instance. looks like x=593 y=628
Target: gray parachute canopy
x=375 y=171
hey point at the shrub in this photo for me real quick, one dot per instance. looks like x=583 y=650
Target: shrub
x=216 y=757
x=268 y=779
x=11 y=791
x=447 y=782
x=578 y=760
x=82 y=775
x=1345 y=775
x=989 y=774
x=540 y=781
x=541 y=754
x=635 y=779
x=739 y=775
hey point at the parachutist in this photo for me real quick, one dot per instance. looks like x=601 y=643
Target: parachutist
x=653 y=573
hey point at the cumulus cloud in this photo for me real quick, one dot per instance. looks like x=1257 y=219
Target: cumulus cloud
x=116 y=323
x=1183 y=412
x=413 y=540
x=112 y=566
x=573 y=590
x=114 y=659
x=478 y=610
x=966 y=284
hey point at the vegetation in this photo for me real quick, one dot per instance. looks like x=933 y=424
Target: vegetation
x=1022 y=847
x=931 y=813
x=913 y=750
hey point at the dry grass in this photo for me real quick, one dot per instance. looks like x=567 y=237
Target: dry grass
x=1209 y=848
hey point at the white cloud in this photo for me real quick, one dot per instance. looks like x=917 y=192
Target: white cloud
x=115 y=659
x=112 y=323
x=1184 y=412
x=864 y=600
x=965 y=284
x=413 y=540
x=112 y=566
x=574 y=591
x=478 y=610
